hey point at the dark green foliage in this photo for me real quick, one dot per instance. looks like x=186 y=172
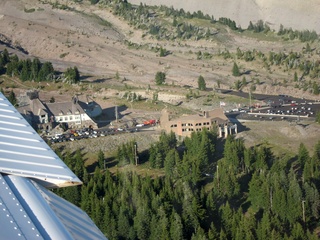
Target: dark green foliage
x=12 y=98
x=199 y=151
x=5 y=57
x=230 y=23
x=101 y=159
x=159 y=151
x=126 y=153
x=233 y=153
x=201 y=83
x=163 y=52
x=235 y=70
x=303 y=36
x=315 y=87
x=72 y=75
x=260 y=26
x=251 y=196
x=303 y=155
x=13 y=66
x=46 y=72
x=26 y=69
x=160 y=78
x=34 y=70
x=258 y=192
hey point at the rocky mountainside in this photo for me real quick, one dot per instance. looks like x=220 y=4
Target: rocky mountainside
x=297 y=14
x=102 y=44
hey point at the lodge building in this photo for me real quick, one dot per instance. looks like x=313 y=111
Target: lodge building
x=185 y=125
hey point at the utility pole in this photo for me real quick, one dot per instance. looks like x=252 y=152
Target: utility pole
x=303 y=212
x=135 y=153
x=218 y=176
x=116 y=112
x=271 y=197
x=250 y=98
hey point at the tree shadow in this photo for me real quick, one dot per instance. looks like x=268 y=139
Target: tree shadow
x=247 y=72
x=143 y=156
x=101 y=80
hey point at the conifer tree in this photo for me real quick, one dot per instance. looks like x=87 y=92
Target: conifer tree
x=303 y=155
x=176 y=227
x=101 y=159
x=123 y=223
x=201 y=83
x=12 y=98
x=294 y=198
x=235 y=70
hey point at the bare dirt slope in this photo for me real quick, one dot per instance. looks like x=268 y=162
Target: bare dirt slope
x=81 y=38
x=284 y=137
x=297 y=14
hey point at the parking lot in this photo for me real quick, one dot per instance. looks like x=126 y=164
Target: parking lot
x=276 y=107
x=85 y=133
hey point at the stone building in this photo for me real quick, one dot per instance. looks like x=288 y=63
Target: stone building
x=185 y=125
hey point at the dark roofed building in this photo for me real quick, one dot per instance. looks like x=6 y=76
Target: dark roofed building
x=75 y=113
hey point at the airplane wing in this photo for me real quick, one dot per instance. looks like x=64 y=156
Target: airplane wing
x=28 y=167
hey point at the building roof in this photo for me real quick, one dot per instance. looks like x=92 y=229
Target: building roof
x=216 y=113
x=35 y=106
x=23 y=152
x=65 y=108
x=27 y=167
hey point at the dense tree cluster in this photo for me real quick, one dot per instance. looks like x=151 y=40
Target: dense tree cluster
x=303 y=36
x=72 y=75
x=27 y=69
x=149 y=19
x=301 y=63
x=251 y=195
x=33 y=70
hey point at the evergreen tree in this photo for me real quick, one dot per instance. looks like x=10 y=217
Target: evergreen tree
x=279 y=202
x=226 y=214
x=176 y=227
x=170 y=162
x=2 y=68
x=13 y=66
x=264 y=226
x=201 y=83
x=46 y=72
x=295 y=77
x=12 y=98
x=258 y=192
x=25 y=71
x=160 y=78
x=72 y=75
x=142 y=222
x=101 y=159
x=303 y=155
x=235 y=70
x=123 y=223
x=163 y=52
x=5 y=57
x=315 y=87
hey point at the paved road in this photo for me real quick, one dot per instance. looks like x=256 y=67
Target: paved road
x=277 y=107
